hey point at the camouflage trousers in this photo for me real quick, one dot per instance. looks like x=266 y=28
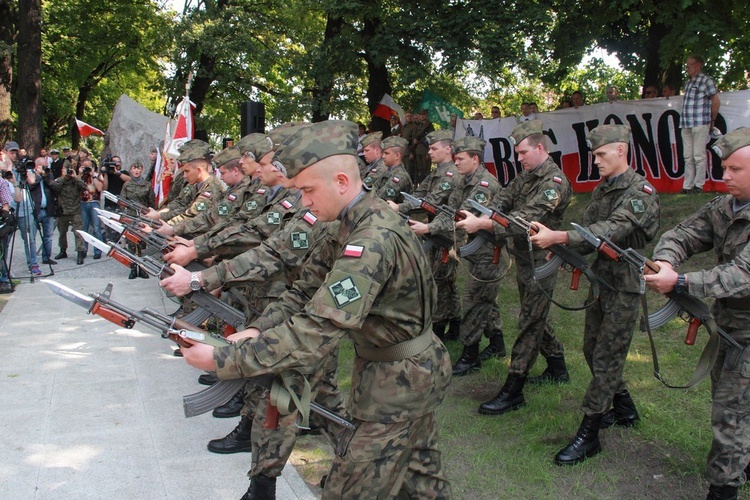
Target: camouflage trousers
x=481 y=313
x=272 y=447
x=730 y=414
x=63 y=221
x=606 y=340
x=449 y=305
x=535 y=334
x=384 y=461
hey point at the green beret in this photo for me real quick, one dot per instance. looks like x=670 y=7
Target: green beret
x=371 y=138
x=255 y=145
x=194 y=150
x=439 y=135
x=525 y=129
x=315 y=142
x=226 y=155
x=284 y=131
x=731 y=142
x=469 y=144
x=608 y=134
x=394 y=141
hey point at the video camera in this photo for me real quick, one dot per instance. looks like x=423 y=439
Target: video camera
x=24 y=164
x=108 y=166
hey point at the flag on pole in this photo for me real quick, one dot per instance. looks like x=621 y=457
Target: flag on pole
x=161 y=178
x=184 y=130
x=387 y=107
x=439 y=110
x=86 y=130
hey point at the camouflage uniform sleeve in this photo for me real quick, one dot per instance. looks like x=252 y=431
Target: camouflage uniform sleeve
x=391 y=189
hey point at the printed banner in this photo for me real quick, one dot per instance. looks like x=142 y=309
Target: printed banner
x=655 y=146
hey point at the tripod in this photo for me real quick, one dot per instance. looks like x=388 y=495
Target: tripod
x=25 y=227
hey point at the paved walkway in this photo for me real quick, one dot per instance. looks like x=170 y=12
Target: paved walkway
x=88 y=410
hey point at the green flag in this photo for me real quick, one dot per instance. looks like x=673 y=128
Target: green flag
x=439 y=110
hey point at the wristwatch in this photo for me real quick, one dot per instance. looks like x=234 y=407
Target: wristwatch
x=195 y=283
x=682 y=285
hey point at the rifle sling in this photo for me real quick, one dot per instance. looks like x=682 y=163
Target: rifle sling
x=284 y=397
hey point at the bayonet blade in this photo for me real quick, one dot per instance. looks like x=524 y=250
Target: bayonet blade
x=411 y=199
x=115 y=226
x=107 y=214
x=70 y=294
x=587 y=235
x=93 y=241
x=110 y=196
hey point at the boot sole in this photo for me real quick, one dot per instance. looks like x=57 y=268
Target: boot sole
x=588 y=454
x=500 y=412
x=226 y=415
x=241 y=449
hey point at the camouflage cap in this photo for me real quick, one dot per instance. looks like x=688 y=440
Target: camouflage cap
x=608 y=134
x=525 y=129
x=194 y=150
x=469 y=144
x=731 y=142
x=371 y=139
x=439 y=135
x=394 y=141
x=316 y=142
x=226 y=155
x=283 y=132
x=255 y=145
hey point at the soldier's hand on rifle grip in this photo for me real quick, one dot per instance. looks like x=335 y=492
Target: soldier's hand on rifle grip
x=663 y=281
x=199 y=355
x=152 y=214
x=165 y=229
x=178 y=283
x=471 y=223
x=249 y=333
x=419 y=228
x=546 y=237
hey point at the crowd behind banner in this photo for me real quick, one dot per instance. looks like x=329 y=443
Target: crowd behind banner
x=656 y=150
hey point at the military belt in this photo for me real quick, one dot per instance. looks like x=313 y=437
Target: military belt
x=396 y=352
x=740 y=304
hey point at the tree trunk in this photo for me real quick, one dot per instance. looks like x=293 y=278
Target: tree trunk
x=377 y=78
x=7 y=32
x=323 y=78
x=29 y=89
x=83 y=97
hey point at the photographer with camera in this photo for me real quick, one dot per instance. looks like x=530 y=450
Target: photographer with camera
x=9 y=193
x=116 y=178
x=96 y=182
x=43 y=193
x=69 y=209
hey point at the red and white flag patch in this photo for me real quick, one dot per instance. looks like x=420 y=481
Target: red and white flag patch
x=261 y=191
x=449 y=174
x=310 y=218
x=286 y=204
x=207 y=194
x=648 y=189
x=557 y=179
x=396 y=179
x=484 y=184
x=354 y=251
x=232 y=197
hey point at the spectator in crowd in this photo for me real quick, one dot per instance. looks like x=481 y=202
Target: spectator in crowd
x=10 y=193
x=534 y=109
x=478 y=115
x=577 y=99
x=95 y=182
x=360 y=134
x=668 y=91
x=527 y=112
x=69 y=209
x=43 y=153
x=649 y=92
x=395 y=126
x=24 y=209
x=56 y=165
x=699 y=110
x=116 y=178
x=43 y=188
x=495 y=112
x=566 y=103
x=612 y=93
x=454 y=120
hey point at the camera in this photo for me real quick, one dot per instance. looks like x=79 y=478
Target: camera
x=108 y=166
x=86 y=170
x=24 y=164
x=69 y=171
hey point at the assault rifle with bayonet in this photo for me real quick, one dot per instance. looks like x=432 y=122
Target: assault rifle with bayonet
x=133 y=230
x=434 y=240
x=697 y=312
x=131 y=205
x=481 y=238
x=178 y=330
x=562 y=255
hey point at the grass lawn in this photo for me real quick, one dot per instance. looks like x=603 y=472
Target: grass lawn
x=510 y=456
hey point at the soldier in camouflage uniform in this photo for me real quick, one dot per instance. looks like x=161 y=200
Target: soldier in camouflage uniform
x=372 y=153
x=389 y=177
x=540 y=192
x=196 y=168
x=481 y=313
x=625 y=207
x=138 y=189
x=69 y=211
x=436 y=188
x=723 y=226
x=373 y=284
x=179 y=197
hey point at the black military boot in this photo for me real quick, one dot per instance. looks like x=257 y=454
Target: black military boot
x=133 y=272
x=141 y=273
x=584 y=445
x=722 y=492
x=62 y=255
x=261 y=488
x=236 y=441
x=555 y=373
x=232 y=407
x=79 y=259
x=495 y=348
x=622 y=413
x=208 y=379
x=454 y=328
x=468 y=361
x=439 y=329
x=509 y=398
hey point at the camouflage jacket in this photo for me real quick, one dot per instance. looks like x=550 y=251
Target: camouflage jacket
x=142 y=193
x=255 y=200
x=234 y=240
x=233 y=199
x=481 y=187
x=69 y=197
x=180 y=196
x=388 y=182
x=626 y=210
x=436 y=188
x=540 y=195
x=374 y=284
x=208 y=195
x=715 y=227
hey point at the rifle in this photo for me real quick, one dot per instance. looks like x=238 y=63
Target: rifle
x=162 y=270
x=125 y=203
x=698 y=313
x=434 y=240
x=456 y=215
x=132 y=232
x=562 y=254
x=178 y=330
x=127 y=219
